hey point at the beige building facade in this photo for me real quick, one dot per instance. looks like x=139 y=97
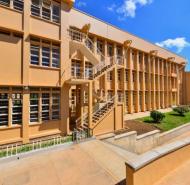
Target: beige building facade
x=186 y=89
x=61 y=70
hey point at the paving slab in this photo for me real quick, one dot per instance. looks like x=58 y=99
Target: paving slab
x=72 y=166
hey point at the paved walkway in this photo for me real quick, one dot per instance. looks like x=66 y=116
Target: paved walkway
x=180 y=176
x=143 y=114
x=88 y=163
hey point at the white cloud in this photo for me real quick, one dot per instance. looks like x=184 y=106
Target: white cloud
x=81 y=4
x=112 y=7
x=178 y=43
x=129 y=7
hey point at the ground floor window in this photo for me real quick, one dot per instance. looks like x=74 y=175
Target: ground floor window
x=16 y=108
x=4 y=109
x=10 y=106
x=44 y=104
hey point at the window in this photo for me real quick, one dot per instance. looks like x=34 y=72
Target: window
x=76 y=69
x=34 y=107
x=34 y=54
x=4 y=109
x=16 y=108
x=45 y=56
x=119 y=75
x=56 y=13
x=18 y=5
x=109 y=76
x=110 y=50
x=46 y=9
x=99 y=47
x=45 y=106
x=48 y=52
x=88 y=70
x=126 y=98
x=5 y=2
x=55 y=106
x=35 y=7
x=126 y=76
x=56 y=57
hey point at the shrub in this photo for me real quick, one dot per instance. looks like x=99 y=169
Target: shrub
x=181 y=110
x=157 y=116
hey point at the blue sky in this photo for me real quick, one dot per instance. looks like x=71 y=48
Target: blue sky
x=165 y=22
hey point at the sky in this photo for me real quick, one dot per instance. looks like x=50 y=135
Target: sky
x=163 y=22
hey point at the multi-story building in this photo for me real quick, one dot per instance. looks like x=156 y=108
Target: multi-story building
x=61 y=68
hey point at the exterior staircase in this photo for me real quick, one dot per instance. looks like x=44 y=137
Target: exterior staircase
x=101 y=65
x=98 y=114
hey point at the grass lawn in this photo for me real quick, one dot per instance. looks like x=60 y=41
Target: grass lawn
x=171 y=121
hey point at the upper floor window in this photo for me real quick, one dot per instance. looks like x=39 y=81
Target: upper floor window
x=46 y=9
x=34 y=54
x=44 y=53
x=16 y=4
x=46 y=56
x=55 y=56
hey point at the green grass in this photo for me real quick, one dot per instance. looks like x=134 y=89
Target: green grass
x=171 y=121
x=30 y=147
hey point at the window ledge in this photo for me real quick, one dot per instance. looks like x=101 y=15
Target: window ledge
x=10 y=127
x=42 y=19
x=46 y=68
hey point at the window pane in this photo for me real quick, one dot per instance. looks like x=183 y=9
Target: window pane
x=4 y=109
x=55 y=106
x=56 y=14
x=46 y=13
x=55 y=57
x=5 y=2
x=34 y=103
x=34 y=55
x=45 y=56
x=18 y=5
x=17 y=108
x=35 y=7
x=45 y=106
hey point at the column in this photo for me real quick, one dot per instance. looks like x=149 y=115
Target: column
x=25 y=72
x=130 y=82
x=137 y=81
x=143 y=83
x=90 y=104
x=105 y=76
x=124 y=54
x=149 y=87
x=158 y=84
x=65 y=65
x=25 y=115
x=153 y=85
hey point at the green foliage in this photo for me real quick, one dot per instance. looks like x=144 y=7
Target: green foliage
x=182 y=110
x=29 y=147
x=157 y=116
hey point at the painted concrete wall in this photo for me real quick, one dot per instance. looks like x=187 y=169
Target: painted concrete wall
x=156 y=164
x=186 y=88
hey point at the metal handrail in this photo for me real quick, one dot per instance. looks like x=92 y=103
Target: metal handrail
x=105 y=104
